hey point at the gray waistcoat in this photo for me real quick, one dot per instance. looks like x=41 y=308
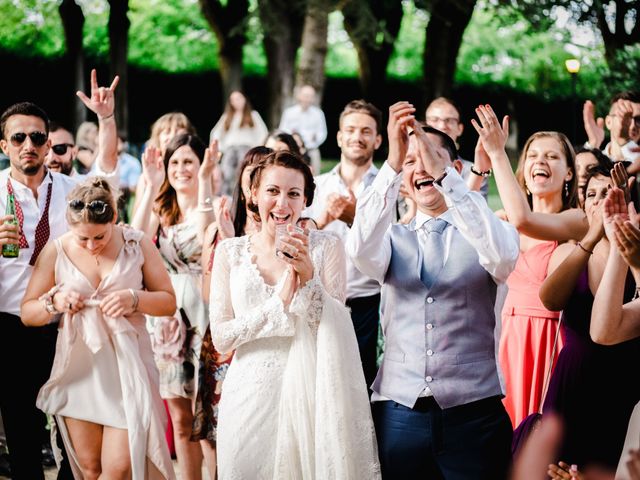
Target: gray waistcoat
x=443 y=337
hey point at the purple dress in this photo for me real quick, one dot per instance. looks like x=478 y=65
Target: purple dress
x=594 y=388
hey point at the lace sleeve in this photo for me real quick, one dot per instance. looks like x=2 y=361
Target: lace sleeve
x=228 y=330
x=329 y=278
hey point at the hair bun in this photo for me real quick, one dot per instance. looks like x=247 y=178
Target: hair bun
x=100 y=182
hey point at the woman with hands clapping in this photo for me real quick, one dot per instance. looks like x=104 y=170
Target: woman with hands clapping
x=540 y=202
x=595 y=418
x=102 y=278
x=612 y=320
x=176 y=209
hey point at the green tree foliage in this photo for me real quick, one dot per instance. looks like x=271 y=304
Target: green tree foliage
x=31 y=28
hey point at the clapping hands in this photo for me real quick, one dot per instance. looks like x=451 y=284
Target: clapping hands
x=492 y=135
x=210 y=161
x=621 y=223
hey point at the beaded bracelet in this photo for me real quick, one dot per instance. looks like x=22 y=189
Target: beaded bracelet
x=590 y=252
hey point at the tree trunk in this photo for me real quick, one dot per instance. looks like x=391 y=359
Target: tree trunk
x=72 y=23
x=314 y=46
x=444 y=32
x=118 y=46
x=373 y=28
x=228 y=25
x=282 y=25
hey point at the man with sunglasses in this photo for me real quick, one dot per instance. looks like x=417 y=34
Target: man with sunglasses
x=62 y=152
x=26 y=354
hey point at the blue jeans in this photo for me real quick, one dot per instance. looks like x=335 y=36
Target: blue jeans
x=467 y=442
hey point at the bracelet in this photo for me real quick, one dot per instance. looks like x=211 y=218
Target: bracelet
x=47 y=298
x=485 y=174
x=134 y=295
x=590 y=252
x=438 y=181
x=105 y=118
x=205 y=205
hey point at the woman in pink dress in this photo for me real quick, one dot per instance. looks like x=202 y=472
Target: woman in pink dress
x=539 y=200
x=103 y=388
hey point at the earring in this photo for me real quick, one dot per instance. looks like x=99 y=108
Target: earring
x=526 y=189
x=566 y=189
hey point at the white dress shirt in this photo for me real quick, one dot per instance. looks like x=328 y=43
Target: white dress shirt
x=309 y=123
x=368 y=242
x=358 y=285
x=239 y=136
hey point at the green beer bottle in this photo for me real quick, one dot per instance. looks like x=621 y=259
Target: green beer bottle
x=11 y=250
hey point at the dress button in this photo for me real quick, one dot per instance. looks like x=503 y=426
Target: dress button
x=430 y=300
x=429 y=326
x=429 y=352
x=429 y=378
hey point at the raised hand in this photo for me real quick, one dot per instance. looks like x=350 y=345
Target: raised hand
x=210 y=161
x=401 y=115
x=492 y=134
x=153 y=167
x=627 y=237
x=620 y=179
x=622 y=121
x=592 y=125
x=102 y=100
x=481 y=160
x=563 y=471
x=223 y=217
x=614 y=206
x=433 y=159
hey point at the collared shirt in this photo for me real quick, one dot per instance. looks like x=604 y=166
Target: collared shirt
x=627 y=151
x=15 y=272
x=130 y=170
x=358 y=285
x=368 y=243
x=309 y=123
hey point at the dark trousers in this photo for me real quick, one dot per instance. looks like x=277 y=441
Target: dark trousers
x=468 y=442
x=26 y=356
x=365 y=315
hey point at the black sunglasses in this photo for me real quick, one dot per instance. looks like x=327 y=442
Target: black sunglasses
x=61 y=148
x=97 y=206
x=37 y=138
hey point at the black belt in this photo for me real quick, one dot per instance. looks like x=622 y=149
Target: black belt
x=428 y=404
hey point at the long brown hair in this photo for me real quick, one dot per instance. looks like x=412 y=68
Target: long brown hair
x=166 y=203
x=570 y=194
x=247 y=119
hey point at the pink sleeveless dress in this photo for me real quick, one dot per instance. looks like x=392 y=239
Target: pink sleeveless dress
x=103 y=371
x=528 y=334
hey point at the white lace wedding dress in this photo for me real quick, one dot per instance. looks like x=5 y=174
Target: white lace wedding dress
x=294 y=402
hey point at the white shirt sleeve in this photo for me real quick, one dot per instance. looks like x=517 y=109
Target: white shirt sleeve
x=496 y=241
x=322 y=129
x=368 y=242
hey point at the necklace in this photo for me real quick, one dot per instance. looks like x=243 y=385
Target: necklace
x=97 y=261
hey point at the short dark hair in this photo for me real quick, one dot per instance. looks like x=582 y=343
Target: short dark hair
x=55 y=126
x=285 y=159
x=447 y=142
x=362 y=106
x=23 y=108
x=287 y=139
x=239 y=205
x=631 y=95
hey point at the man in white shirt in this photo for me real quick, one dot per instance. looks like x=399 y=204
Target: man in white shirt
x=334 y=207
x=308 y=120
x=623 y=123
x=26 y=354
x=438 y=409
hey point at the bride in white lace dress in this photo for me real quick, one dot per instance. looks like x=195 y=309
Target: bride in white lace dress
x=294 y=402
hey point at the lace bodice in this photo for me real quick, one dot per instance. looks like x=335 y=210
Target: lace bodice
x=244 y=307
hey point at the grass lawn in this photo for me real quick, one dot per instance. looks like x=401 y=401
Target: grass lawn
x=493 y=200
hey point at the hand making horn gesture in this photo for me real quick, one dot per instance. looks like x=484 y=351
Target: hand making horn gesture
x=102 y=101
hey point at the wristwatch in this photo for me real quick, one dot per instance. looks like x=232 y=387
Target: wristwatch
x=485 y=173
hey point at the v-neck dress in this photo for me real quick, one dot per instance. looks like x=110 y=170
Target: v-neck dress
x=103 y=371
